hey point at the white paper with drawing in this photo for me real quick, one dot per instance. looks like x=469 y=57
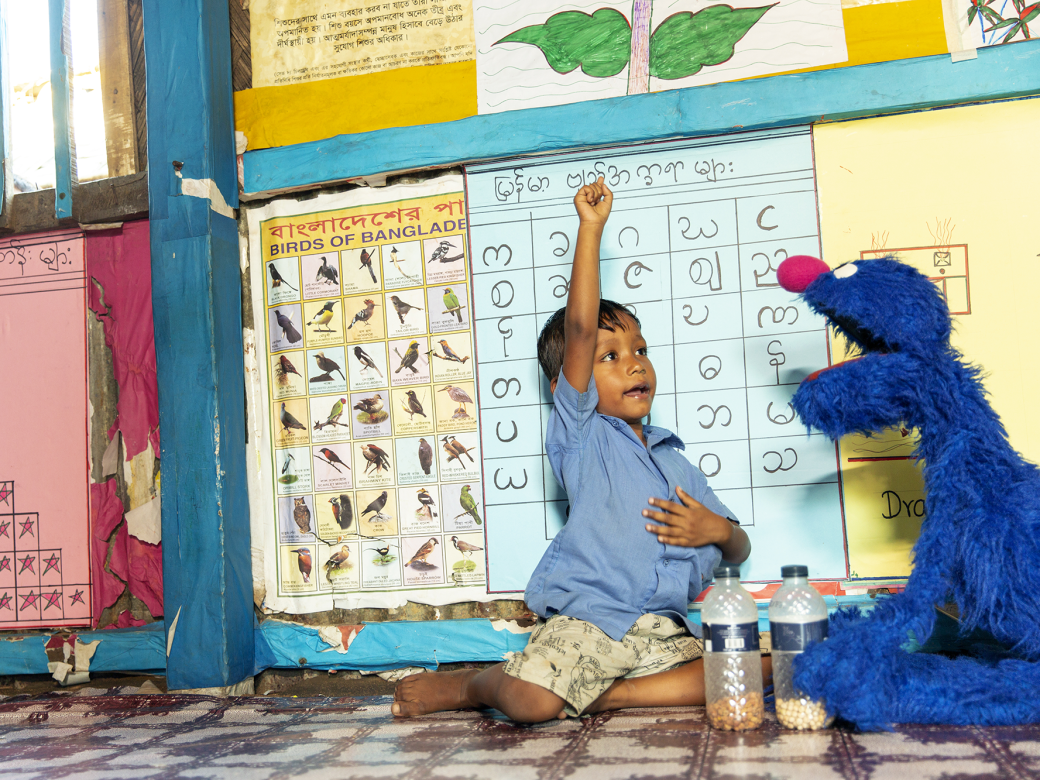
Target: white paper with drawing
x=533 y=54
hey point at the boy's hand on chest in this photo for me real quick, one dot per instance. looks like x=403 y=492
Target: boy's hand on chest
x=686 y=524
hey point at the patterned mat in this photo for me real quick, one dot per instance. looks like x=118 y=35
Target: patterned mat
x=174 y=736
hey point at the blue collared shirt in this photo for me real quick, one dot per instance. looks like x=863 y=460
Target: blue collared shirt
x=604 y=566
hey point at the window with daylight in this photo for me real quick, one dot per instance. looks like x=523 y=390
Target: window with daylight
x=69 y=108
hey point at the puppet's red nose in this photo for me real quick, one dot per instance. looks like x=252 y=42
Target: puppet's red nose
x=798 y=271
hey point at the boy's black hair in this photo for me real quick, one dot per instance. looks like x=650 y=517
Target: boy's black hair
x=550 y=341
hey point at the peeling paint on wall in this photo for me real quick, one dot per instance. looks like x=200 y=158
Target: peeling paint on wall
x=127 y=552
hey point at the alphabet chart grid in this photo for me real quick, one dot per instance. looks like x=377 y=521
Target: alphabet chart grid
x=696 y=233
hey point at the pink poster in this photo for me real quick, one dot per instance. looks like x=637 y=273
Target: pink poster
x=44 y=510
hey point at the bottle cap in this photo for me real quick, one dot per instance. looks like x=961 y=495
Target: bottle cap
x=727 y=570
x=794 y=571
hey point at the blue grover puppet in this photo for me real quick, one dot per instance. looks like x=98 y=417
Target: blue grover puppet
x=979 y=544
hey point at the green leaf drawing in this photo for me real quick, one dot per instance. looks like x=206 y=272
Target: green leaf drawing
x=599 y=43
x=685 y=42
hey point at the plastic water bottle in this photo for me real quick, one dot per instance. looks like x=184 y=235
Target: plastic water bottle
x=797 y=616
x=732 y=660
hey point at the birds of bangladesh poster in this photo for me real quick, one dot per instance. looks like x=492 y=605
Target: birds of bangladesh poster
x=369 y=486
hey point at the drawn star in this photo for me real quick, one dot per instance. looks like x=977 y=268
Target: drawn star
x=52 y=563
x=27 y=563
x=5 y=493
x=30 y=600
x=26 y=527
x=76 y=598
x=5 y=564
x=5 y=601
x=4 y=528
x=52 y=600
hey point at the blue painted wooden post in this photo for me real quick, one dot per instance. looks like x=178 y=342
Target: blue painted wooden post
x=196 y=296
x=61 y=108
x=6 y=169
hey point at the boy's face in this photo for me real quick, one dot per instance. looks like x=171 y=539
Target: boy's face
x=625 y=377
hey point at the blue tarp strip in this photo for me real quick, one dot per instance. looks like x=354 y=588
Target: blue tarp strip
x=121 y=650
x=140 y=649
x=382 y=646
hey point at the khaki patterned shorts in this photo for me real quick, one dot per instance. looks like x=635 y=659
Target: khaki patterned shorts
x=578 y=662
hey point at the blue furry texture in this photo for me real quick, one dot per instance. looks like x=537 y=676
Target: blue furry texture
x=979 y=544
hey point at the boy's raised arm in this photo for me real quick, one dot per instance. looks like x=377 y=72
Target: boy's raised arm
x=581 y=321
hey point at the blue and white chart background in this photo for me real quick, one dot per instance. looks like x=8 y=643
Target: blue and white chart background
x=692 y=245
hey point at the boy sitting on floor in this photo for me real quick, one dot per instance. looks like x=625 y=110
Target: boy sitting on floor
x=614 y=597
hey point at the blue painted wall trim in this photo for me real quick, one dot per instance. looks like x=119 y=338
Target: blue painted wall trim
x=999 y=72
x=196 y=293
x=61 y=104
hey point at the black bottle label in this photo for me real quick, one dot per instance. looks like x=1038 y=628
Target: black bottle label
x=731 y=637
x=795 y=637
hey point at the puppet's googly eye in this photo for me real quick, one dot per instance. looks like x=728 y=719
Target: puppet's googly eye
x=845 y=271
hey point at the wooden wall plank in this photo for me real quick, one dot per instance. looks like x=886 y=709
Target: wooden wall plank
x=135 y=23
x=117 y=87
x=241 y=54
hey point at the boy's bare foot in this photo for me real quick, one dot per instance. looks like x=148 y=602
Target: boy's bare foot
x=421 y=694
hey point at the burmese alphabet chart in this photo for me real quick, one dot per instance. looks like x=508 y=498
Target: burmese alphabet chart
x=697 y=231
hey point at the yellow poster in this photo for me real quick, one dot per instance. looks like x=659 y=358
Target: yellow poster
x=926 y=188
x=297 y=41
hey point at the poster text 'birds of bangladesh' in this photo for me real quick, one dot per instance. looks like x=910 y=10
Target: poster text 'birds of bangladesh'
x=369 y=489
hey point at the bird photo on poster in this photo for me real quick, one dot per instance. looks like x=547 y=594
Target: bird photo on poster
x=327 y=273
x=444 y=253
x=288 y=475
x=334 y=414
x=285 y=324
x=289 y=422
x=370 y=409
x=459 y=396
x=449 y=353
x=302 y=515
x=303 y=562
x=402 y=307
x=367 y=363
x=342 y=511
x=328 y=366
x=378 y=459
x=338 y=563
x=409 y=358
x=426 y=509
x=466 y=550
x=469 y=505
x=411 y=405
x=397 y=259
x=329 y=456
x=366 y=263
x=363 y=316
x=383 y=557
x=425 y=455
x=420 y=559
x=277 y=280
x=322 y=319
x=451 y=304
x=456 y=450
